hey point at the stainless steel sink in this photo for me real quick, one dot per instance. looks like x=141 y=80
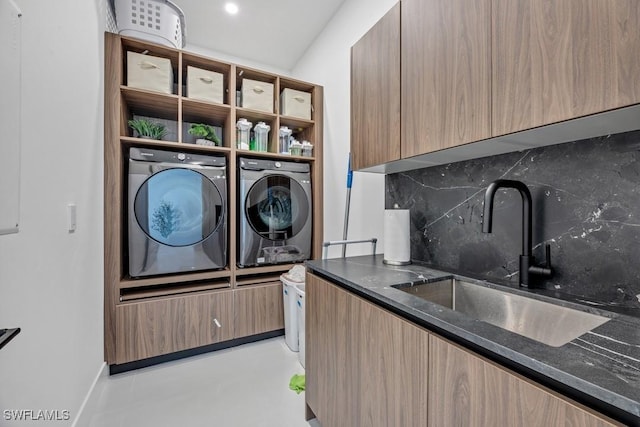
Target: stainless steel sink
x=548 y=323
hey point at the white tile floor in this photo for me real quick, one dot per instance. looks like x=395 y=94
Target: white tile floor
x=241 y=386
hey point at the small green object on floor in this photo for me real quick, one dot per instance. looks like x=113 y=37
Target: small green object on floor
x=297 y=383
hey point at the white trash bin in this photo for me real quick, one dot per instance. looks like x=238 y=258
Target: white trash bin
x=301 y=321
x=290 y=313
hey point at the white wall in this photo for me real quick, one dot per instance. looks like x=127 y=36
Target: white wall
x=225 y=57
x=327 y=62
x=50 y=279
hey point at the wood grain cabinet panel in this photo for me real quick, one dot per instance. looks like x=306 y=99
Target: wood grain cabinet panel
x=153 y=328
x=331 y=389
x=392 y=365
x=258 y=309
x=446 y=74
x=466 y=390
x=365 y=366
x=375 y=93
x=557 y=60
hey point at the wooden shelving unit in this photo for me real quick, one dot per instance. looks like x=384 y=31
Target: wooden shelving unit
x=191 y=298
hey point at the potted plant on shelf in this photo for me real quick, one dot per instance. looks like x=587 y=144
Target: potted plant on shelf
x=146 y=129
x=205 y=134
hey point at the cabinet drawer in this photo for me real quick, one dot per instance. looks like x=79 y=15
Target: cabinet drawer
x=258 y=309
x=157 y=327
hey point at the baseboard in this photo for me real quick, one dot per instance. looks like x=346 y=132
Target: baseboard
x=129 y=366
x=91 y=399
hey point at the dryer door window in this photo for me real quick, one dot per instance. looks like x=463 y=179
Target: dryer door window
x=178 y=207
x=277 y=207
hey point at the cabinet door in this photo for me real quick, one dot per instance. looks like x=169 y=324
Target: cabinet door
x=471 y=391
x=258 y=309
x=557 y=60
x=153 y=328
x=365 y=366
x=331 y=369
x=392 y=359
x=375 y=93
x=446 y=74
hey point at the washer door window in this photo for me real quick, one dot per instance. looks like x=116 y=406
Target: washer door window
x=277 y=207
x=178 y=207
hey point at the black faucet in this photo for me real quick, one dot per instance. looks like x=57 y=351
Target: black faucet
x=528 y=268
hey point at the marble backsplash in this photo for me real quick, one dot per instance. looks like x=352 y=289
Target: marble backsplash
x=586 y=205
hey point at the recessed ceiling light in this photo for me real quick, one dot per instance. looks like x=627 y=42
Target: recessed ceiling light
x=231 y=8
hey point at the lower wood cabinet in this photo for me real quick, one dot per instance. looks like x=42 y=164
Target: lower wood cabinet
x=166 y=325
x=368 y=367
x=157 y=327
x=258 y=309
x=364 y=365
x=467 y=390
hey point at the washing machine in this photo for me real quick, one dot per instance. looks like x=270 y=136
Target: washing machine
x=275 y=215
x=177 y=212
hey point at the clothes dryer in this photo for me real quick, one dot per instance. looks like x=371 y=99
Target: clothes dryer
x=177 y=210
x=275 y=215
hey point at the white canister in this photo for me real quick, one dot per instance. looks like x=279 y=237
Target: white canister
x=307 y=149
x=295 y=148
x=242 y=139
x=283 y=141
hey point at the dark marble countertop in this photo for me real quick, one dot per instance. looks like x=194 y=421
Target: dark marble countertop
x=600 y=368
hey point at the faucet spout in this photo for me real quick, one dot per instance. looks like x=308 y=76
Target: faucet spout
x=527 y=262
x=487 y=221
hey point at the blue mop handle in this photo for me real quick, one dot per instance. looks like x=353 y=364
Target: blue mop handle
x=346 y=207
x=349 y=173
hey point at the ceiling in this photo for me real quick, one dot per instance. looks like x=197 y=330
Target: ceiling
x=270 y=32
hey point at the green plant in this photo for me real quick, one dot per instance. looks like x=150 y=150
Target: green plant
x=207 y=132
x=147 y=129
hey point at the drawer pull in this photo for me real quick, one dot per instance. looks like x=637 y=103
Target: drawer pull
x=298 y=98
x=258 y=89
x=215 y=322
x=206 y=79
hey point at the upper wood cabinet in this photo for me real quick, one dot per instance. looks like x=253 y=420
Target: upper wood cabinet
x=446 y=74
x=375 y=93
x=557 y=60
x=473 y=70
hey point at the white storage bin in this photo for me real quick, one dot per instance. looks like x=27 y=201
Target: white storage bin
x=149 y=72
x=157 y=21
x=290 y=313
x=301 y=322
x=257 y=95
x=205 y=85
x=295 y=103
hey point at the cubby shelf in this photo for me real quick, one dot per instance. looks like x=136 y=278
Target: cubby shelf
x=245 y=299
